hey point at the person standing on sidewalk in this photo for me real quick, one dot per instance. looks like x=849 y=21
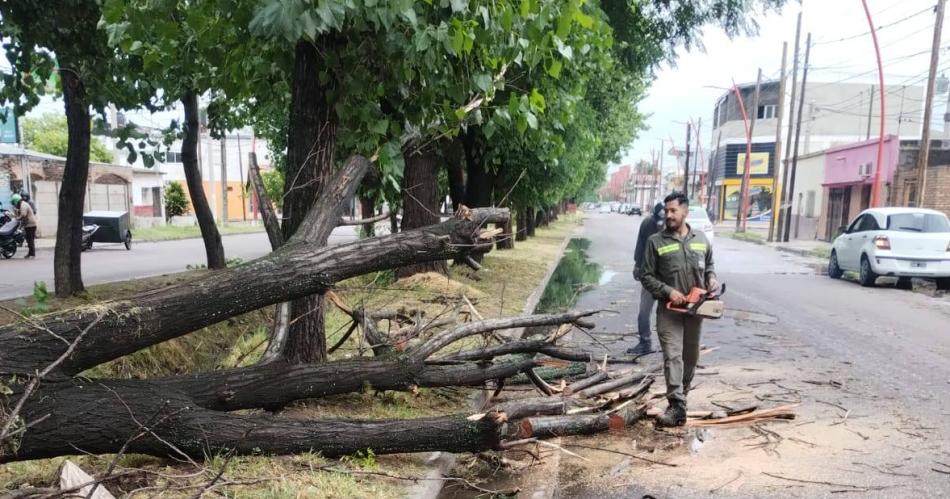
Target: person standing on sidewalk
x=24 y=213
x=676 y=260
x=649 y=226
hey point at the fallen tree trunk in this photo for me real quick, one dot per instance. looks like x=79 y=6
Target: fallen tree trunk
x=295 y=270
x=157 y=418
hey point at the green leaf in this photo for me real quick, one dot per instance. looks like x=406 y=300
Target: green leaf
x=536 y=100
x=555 y=69
x=532 y=120
x=459 y=5
x=483 y=81
x=507 y=18
x=525 y=8
x=380 y=127
x=583 y=19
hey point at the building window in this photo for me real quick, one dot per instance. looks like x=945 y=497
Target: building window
x=146 y=195
x=766 y=112
x=173 y=157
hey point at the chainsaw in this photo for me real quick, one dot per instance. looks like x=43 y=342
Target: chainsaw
x=700 y=303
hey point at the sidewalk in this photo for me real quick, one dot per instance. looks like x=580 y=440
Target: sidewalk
x=757 y=233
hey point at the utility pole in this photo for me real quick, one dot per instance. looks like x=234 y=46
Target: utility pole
x=224 y=181
x=659 y=173
x=788 y=138
x=241 y=177
x=697 y=159
x=924 y=154
x=743 y=215
x=776 y=162
x=689 y=129
x=798 y=133
x=870 y=110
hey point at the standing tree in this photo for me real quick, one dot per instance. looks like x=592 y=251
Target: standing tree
x=49 y=134
x=33 y=31
x=176 y=202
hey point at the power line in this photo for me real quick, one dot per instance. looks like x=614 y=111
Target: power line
x=879 y=28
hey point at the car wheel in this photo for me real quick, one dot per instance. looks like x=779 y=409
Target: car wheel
x=905 y=283
x=8 y=252
x=128 y=240
x=868 y=277
x=834 y=270
x=943 y=283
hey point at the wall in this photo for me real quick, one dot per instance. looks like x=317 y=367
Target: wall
x=809 y=175
x=842 y=164
x=234 y=200
x=936 y=195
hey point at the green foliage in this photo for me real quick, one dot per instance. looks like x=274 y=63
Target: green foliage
x=573 y=274
x=274 y=185
x=361 y=459
x=230 y=262
x=176 y=201
x=40 y=300
x=48 y=134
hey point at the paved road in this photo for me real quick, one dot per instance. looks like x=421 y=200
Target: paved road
x=871 y=368
x=108 y=263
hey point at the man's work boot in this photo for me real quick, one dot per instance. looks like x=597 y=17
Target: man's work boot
x=642 y=348
x=675 y=415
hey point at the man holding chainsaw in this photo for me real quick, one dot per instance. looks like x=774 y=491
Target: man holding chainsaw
x=675 y=261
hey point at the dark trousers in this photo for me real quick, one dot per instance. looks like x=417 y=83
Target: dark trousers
x=30 y=240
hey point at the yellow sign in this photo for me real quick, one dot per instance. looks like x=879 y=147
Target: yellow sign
x=760 y=163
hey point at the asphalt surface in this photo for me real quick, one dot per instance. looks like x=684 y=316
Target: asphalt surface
x=112 y=262
x=870 y=369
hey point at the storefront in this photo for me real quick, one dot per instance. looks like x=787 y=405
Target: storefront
x=760 y=197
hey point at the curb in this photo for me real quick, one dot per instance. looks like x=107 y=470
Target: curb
x=544 y=477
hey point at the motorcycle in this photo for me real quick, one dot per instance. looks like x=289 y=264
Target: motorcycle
x=11 y=235
x=87 y=233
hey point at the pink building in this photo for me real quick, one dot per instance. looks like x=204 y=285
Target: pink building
x=849 y=176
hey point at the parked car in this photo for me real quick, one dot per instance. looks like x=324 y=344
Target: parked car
x=634 y=210
x=604 y=208
x=898 y=242
x=698 y=219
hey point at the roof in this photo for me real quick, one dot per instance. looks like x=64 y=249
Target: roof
x=146 y=171
x=893 y=210
x=12 y=150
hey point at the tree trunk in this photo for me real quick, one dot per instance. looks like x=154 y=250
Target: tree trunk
x=367 y=209
x=478 y=185
x=311 y=142
x=393 y=222
x=455 y=168
x=530 y=221
x=505 y=240
x=297 y=269
x=214 y=249
x=420 y=200
x=540 y=219
x=67 y=264
x=522 y=229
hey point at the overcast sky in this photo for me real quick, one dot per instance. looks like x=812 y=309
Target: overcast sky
x=680 y=93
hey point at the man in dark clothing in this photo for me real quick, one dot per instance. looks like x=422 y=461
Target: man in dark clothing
x=649 y=226
x=676 y=260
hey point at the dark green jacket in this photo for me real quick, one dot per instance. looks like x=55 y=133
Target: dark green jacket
x=673 y=263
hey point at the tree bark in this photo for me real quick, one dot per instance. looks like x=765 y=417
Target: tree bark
x=214 y=249
x=297 y=269
x=522 y=229
x=311 y=143
x=455 y=168
x=367 y=207
x=98 y=416
x=67 y=264
x=530 y=221
x=420 y=192
x=265 y=205
x=478 y=185
x=505 y=240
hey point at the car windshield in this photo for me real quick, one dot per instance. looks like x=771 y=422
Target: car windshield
x=697 y=213
x=918 y=222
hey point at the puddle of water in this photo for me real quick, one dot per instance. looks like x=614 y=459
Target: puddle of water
x=606 y=277
x=574 y=274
